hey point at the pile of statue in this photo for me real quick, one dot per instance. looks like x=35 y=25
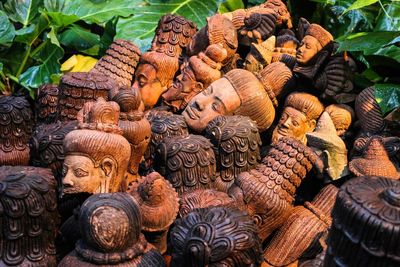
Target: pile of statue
x=243 y=143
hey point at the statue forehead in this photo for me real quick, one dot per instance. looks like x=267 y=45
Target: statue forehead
x=292 y=112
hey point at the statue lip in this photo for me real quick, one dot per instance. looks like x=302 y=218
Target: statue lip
x=282 y=131
x=192 y=113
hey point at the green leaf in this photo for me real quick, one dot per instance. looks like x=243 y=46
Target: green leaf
x=230 y=5
x=360 y=4
x=140 y=27
x=31 y=33
x=52 y=35
x=48 y=56
x=81 y=40
x=23 y=11
x=108 y=36
x=391 y=23
x=387 y=96
x=60 y=20
x=366 y=40
x=7 y=30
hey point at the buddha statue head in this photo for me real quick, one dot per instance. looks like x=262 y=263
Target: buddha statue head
x=342 y=116
x=260 y=55
x=198 y=73
x=239 y=92
x=96 y=154
x=154 y=74
x=300 y=114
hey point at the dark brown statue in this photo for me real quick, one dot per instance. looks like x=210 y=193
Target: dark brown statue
x=213 y=237
x=286 y=48
x=187 y=162
x=47 y=104
x=237 y=147
x=110 y=227
x=28 y=217
x=366 y=224
x=16 y=123
x=267 y=192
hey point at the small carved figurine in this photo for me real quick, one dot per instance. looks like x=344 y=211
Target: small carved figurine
x=47 y=104
x=368 y=112
x=16 y=123
x=374 y=161
x=77 y=88
x=315 y=48
x=236 y=145
x=110 y=227
x=302 y=229
x=267 y=192
x=159 y=204
x=329 y=147
x=204 y=198
x=187 y=162
x=260 y=55
x=299 y=116
x=215 y=236
x=196 y=74
x=28 y=217
x=286 y=48
x=366 y=224
x=46 y=146
x=135 y=128
x=342 y=116
x=119 y=62
x=239 y=92
x=96 y=154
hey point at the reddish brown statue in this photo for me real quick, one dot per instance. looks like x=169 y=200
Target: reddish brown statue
x=239 y=92
x=96 y=154
x=215 y=237
x=237 y=147
x=366 y=224
x=16 y=123
x=28 y=217
x=159 y=204
x=299 y=116
x=187 y=162
x=368 y=112
x=267 y=193
x=260 y=55
x=342 y=116
x=302 y=229
x=286 y=48
x=110 y=227
x=196 y=74
x=119 y=62
x=47 y=104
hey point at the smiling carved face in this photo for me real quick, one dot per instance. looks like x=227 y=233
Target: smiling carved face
x=220 y=98
x=309 y=47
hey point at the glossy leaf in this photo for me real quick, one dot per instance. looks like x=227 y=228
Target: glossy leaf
x=23 y=11
x=391 y=23
x=366 y=40
x=140 y=27
x=387 y=96
x=230 y=5
x=78 y=63
x=360 y=4
x=30 y=34
x=80 y=39
x=47 y=55
x=7 y=30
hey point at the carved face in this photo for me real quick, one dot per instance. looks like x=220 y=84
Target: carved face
x=81 y=175
x=292 y=123
x=149 y=85
x=309 y=47
x=220 y=98
x=252 y=64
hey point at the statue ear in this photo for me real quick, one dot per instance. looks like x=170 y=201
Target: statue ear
x=107 y=165
x=198 y=87
x=312 y=124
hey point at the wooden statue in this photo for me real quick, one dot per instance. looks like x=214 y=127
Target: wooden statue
x=260 y=55
x=315 y=48
x=267 y=192
x=110 y=227
x=329 y=147
x=135 y=127
x=366 y=224
x=286 y=48
x=77 y=88
x=368 y=112
x=283 y=16
x=196 y=74
x=374 y=161
x=46 y=104
x=300 y=114
x=236 y=145
x=16 y=123
x=239 y=92
x=187 y=162
x=215 y=236
x=302 y=229
x=204 y=198
x=119 y=62
x=342 y=116
x=28 y=217
x=96 y=154
x=159 y=204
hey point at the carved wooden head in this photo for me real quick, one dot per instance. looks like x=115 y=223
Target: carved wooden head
x=342 y=116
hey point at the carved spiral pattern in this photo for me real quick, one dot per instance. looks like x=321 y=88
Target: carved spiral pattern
x=47 y=104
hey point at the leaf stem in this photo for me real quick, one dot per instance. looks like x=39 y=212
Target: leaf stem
x=384 y=11
x=22 y=66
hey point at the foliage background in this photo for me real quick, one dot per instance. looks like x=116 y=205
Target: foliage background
x=36 y=35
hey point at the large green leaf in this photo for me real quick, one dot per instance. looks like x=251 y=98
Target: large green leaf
x=230 y=5
x=391 y=22
x=48 y=56
x=140 y=27
x=7 y=30
x=366 y=40
x=387 y=96
x=23 y=11
x=360 y=4
x=30 y=34
x=80 y=39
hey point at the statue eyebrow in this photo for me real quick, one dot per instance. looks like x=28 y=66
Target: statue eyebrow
x=220 y=100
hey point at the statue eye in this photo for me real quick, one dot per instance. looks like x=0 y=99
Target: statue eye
x=80 y=172
x=295 y=123
x=216 y=106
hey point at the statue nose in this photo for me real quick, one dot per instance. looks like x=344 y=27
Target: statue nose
x=67 y=181
x=199 y=104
